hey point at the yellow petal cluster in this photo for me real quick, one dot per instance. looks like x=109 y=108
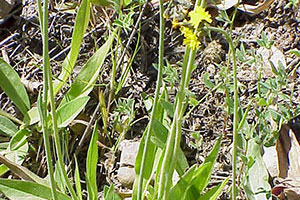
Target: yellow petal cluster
x=190 y=38
x=175 y=23
x=198 y=15
x=191 y=30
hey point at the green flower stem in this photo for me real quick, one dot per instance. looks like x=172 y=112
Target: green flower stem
x=57 y=139
x=43 y=112
x=48 y=88
x=235 y=109
x=173 y=142
x=155 y=103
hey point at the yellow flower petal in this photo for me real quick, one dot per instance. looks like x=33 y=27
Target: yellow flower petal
x=191 y=40
x=175 y=23
x=197 y=15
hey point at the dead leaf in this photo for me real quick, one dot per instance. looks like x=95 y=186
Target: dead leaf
x=248 y=8
x=288 y=151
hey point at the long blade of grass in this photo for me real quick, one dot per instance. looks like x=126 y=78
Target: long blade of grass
x=11 y=84
x=42 y=101
x=91 y=165
x=87 y=77
x=147 y=145
x=148 y=164
x=22 y=172
x=70 y=110
x=160 y=136
x=214 y=193
x=81 y=23
x=25 y=190
x=77 y=180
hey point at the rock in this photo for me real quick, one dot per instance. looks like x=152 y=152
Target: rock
x=273 y=55
x=129 y=151
x=126 y=176
x=126 y=172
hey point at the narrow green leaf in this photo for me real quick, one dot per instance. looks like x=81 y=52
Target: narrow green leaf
x=91 y=165
x=70 y=110
x=25 y=190
x=77 y=180
x=21 y=171
x=194 y=181
x=110 y=194
x=3 y=169
x=178 y=190
x=199 y=177
x=148 y=166
x=202 y=177
x=87 y=77
x=7 y=127
x=214 y=192
x=149 y=159
x=295 y=52
x=11 y=84
x=81 y=23
x=18 y=147
x=160 y=136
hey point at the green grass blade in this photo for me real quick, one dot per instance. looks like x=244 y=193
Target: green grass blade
x=148 y=164
x=214 y=193
x=25 y=190
x=7 y=127
x=160 y=135
x=178 y=190
x=18 y=147
x=77 y=180
x=91 y=165
x=81 y=23
x=87 y=77
x=202 y=177
x=195 y=179
x=11 y=84
x=22 y=172
x=70 y=110
x=109 y=193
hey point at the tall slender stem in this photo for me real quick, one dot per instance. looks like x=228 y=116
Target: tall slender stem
x=57 y=138
x=48 y=88
x=235 y=109
x=156 y=97
x=43 y=103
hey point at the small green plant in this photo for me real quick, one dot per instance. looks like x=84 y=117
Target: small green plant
x=161 y=139
x=160 y=157
x=58 y=117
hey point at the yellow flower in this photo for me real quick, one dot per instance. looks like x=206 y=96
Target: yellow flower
x=186 y=31
x=197 y=15
x=175 y=23
x=190 y=38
